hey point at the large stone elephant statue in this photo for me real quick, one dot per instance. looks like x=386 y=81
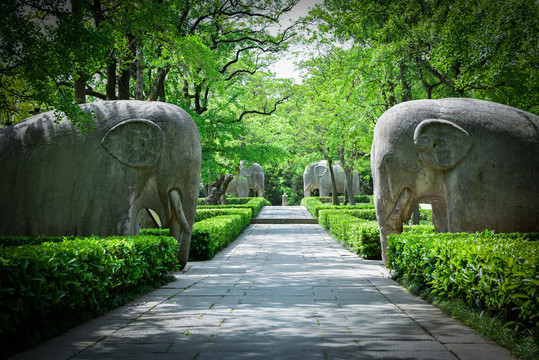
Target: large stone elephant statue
x=55 y=180
x=475 y=161
x=317 y=176
x=251 y=177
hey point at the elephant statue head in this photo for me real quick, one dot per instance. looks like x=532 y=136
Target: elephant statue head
x=139 y=155
x=475 y=161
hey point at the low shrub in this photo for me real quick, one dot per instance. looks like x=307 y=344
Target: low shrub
x=314 y=206
x=358 y=230
x=255 y=204
x=229 y=200
x=494 y=272
x=365 y=214
x=359 y=199
x=38 y=282
x=213 y=234
x=207 y=213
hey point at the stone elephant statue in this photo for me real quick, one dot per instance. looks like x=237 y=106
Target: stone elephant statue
x=251 y=177
x=317 y=176
x=55 y=180
x=476 y=162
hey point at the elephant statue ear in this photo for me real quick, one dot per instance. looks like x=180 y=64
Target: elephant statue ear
x=441 y=143
x=320 y=170
x=136 y=142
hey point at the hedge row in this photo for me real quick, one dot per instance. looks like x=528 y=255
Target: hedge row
x=314 y=205
x=213 y=234
x=229 y=200
x=207 y=213
x=490 y=271
x=358 y=198
x=38 y=281
x=255 y=204
x=358 y=230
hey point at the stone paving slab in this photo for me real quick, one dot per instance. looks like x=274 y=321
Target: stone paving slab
x=277 y=292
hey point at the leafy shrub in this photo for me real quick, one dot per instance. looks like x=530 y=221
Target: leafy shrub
x=213 y=234
x=39 y=281
x=496 y=272
x=229 y=200
x=314 y=205
x=360 y=236
x=358 y=230
x=359 y=199
x=425 y=214
x=203 y=214
x=255 y=204
x=365 y=214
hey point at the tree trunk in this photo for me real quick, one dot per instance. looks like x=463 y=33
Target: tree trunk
x=218 y=189
x=158 y=86
x=79 y=86
x=349 y=178
x=139 y=87
x=80 y=89
x=415 y=216
x=111 y=78
x=123 y=82
x=335 y=195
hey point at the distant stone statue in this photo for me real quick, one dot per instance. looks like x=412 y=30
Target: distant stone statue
x=249 y=178
x=55 y=180
x=476 y=162
x=317 y=176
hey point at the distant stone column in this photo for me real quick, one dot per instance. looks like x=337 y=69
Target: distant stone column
x=285 y=200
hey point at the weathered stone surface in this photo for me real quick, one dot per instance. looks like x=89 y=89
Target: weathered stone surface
x=317 y=176
x=475 y=161
x=56 y=180
x=249 y=178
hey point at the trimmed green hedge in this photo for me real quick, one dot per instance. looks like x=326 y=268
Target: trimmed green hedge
x=255 y=204
x=365 y=214
x=229 y=200
x=207 y=213
x=358 y=198
x=213 y=234
x=314 y=205
x=496 y=272
x=39 y=281
x=358 y=230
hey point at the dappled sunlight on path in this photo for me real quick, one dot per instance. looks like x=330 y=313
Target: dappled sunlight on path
x=277 y=292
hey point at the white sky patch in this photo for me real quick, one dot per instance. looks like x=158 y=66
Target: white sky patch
x=285 y=67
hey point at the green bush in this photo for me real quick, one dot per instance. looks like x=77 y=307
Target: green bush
x=39 y=281
x=495 y=272
x=359 y=199
x=213 y=234
x=365 y=214
x=206 y=213
x=360 y=236
x=229 y=200
x=314 y=205
x=358 y=230
x=255 y=204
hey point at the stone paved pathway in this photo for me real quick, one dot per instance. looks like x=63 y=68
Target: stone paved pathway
x=278 y=292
